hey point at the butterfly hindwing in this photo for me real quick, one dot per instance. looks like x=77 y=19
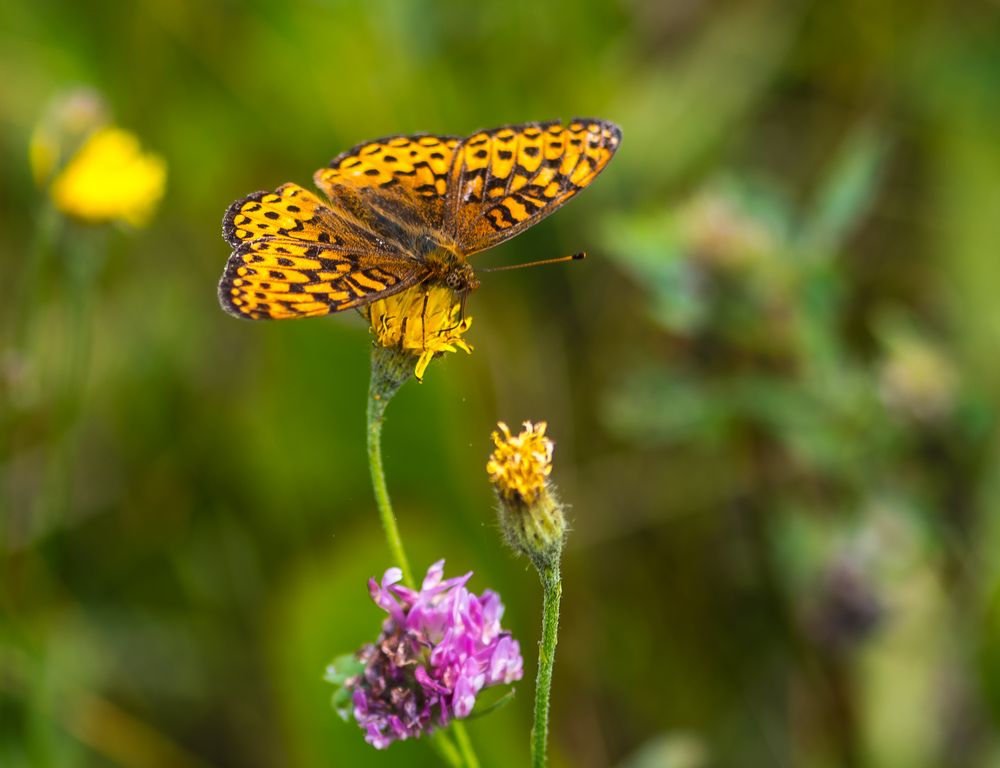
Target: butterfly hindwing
x=507 y=179
x=296 y=257
x=294 y=212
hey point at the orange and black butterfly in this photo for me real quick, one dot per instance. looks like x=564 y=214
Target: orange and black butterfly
x=400 y=212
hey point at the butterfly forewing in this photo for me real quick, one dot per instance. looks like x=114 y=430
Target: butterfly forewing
x=396 y=186
x=507 y=179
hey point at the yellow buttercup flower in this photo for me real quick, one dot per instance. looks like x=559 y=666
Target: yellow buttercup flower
x=424 y=321
x=110 y=178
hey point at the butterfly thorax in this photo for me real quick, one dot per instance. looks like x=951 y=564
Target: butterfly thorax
x=447 y=266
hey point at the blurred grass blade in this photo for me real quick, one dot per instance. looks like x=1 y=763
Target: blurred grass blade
x=846 y=193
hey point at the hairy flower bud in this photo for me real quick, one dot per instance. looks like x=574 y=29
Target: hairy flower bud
x=531 y=515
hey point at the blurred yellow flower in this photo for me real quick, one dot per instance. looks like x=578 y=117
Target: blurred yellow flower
x=424 y=321
x=521 y=464
x=917 y=380
x=110 y=178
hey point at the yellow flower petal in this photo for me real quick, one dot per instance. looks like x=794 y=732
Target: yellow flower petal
x=522 y=463
x=110 y=178
x=424 y=321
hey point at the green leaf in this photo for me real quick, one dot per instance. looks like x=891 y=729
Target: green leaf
x=338 y=672
x=847 y=191
x=503 y=701
x=342 y=668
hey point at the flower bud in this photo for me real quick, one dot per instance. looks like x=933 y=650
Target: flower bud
x=67 y=123
x=531 y=515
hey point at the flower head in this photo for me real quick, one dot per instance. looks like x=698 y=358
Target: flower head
x=110 y=178
x=520 y=465
x=917 y=379
x=530 y=514
x=439 y=647
x=424 y=321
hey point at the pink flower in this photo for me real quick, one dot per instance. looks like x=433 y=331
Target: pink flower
x=439 y=647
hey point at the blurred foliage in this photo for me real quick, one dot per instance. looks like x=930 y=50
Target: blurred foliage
x=773 y=387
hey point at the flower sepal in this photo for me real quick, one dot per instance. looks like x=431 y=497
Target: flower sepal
x=485 y=707
x=340 y=672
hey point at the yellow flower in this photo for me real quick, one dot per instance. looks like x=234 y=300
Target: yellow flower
x=110 y=178
x=531 y=517
x=918 y=380
x=521 y=464
x=424 y=321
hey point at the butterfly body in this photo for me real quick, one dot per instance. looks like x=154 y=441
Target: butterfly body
x=451 y=269
x=401 y=212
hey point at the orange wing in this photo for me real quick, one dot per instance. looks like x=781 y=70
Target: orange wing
x=507 y=179
x=395 y=186
x=294 y=256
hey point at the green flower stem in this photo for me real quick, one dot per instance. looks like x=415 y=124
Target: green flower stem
x=443 y=746
x=28 y=298
x=83 y=255
x=382 y=388
x=551 y=595
x=465 y=744
x=390 y=370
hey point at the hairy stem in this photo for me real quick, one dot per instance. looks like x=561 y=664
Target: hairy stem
x=551 y=594
x=378 y=399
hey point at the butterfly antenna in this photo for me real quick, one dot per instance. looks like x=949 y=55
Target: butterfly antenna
x=574 y=257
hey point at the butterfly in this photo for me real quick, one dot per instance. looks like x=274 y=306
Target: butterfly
x=400 y=212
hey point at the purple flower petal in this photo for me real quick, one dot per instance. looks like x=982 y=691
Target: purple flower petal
x=434 y=575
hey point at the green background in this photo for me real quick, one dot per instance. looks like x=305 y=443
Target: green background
x=773 y=386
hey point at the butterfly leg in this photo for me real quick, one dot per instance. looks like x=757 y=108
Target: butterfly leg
x=461 y=313
x=423 y=322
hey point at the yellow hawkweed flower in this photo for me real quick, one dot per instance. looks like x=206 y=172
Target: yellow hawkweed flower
x=531 y=516
x=109 y=179
x=424 y=321
x=521 y=464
